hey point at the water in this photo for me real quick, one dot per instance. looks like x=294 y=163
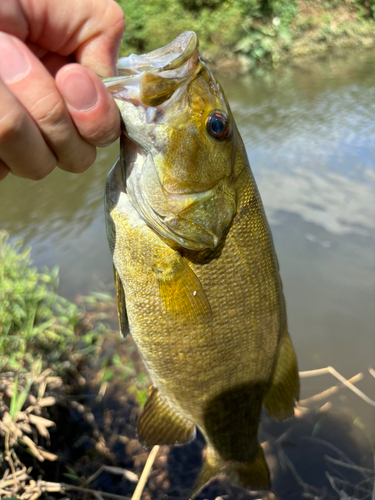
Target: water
x=310 y=136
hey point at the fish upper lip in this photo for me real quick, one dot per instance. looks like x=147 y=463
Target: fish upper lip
x=170 y=57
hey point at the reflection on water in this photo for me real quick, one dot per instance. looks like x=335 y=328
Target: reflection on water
x=62 y=218
x=310 y=135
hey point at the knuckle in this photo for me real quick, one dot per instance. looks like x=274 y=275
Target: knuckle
x=4 y=170
x=49 y=111
x=100 y=132
x=118 y=18
x=11 y=123
x=83 y=159
x=88 y=159
x=44 y=169
x=38 y=175
x=101 y=137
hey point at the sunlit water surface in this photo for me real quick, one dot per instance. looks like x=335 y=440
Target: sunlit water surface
x=310 y=137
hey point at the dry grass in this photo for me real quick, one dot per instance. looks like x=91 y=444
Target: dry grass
x=25 y=423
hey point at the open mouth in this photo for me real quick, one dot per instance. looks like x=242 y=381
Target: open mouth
x=151 y=79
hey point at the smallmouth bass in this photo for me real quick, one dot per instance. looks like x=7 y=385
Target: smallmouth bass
x=196 y=273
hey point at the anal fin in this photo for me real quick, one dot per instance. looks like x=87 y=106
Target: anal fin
x=121 y=307
x=161 y=424
x=284 y=390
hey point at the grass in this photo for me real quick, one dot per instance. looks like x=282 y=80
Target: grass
x=50 y=349
x=35 y=322
x=39 y=329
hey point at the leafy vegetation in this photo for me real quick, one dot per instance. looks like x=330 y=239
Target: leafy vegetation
x=52 y=352
x=35 y=322
x=247 y=32
x=39 y=329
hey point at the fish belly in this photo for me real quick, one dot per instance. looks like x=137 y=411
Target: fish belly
x=214 y=369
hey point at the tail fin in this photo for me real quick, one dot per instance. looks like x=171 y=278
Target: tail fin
x=251 y=475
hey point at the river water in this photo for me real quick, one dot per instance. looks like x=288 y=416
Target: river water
x=310 y=137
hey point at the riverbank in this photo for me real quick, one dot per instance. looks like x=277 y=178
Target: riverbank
x=71 y=392
x=243 y=35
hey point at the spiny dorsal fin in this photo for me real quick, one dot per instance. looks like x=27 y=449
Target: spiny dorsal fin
x=121 y=307
x=161 y=424
x=284 y=390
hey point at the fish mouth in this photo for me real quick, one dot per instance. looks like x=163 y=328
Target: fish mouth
x=151 y=79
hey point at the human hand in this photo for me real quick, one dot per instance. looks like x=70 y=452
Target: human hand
x=53 y=112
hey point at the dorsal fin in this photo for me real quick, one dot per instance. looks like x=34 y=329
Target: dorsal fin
x=284 y=391
x=121 y=306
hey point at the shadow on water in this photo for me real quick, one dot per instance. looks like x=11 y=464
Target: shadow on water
x=62 y=218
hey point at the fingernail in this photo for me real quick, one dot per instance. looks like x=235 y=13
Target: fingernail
x=79 y=91
x=14 y=65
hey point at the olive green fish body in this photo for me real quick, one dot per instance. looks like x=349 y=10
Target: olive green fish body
x=197 y=277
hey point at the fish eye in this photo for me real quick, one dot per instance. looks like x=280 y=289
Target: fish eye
x=217 y=125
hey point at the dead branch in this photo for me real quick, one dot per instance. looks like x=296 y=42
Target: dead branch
x=335 y=373
x=145 y=473
x=329 y=392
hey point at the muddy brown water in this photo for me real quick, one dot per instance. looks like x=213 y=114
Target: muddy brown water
x=310 y=136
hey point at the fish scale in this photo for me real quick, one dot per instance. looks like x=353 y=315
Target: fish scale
x=200 y=286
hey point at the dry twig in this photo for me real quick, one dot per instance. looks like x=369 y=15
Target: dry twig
x=145 y=473
x=335 y=373
x=332 y=390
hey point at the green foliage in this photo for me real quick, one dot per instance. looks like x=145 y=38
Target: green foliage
x=257 y=30
x=366 y=8
x=285 y=10
x=35 y=322
x=71 y=474
x=221 y=25
x=40 y=329
x=154 y=23
x=140 y=388
x=197 y=4
x=18 y=400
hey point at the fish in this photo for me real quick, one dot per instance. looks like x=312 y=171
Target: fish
x=196 y=273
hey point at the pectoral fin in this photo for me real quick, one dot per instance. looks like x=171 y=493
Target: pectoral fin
x=181 y=291
x=121 y=307
x=284 y=391
x=161 y=424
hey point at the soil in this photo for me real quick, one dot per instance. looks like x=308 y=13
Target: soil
x=94 y=430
